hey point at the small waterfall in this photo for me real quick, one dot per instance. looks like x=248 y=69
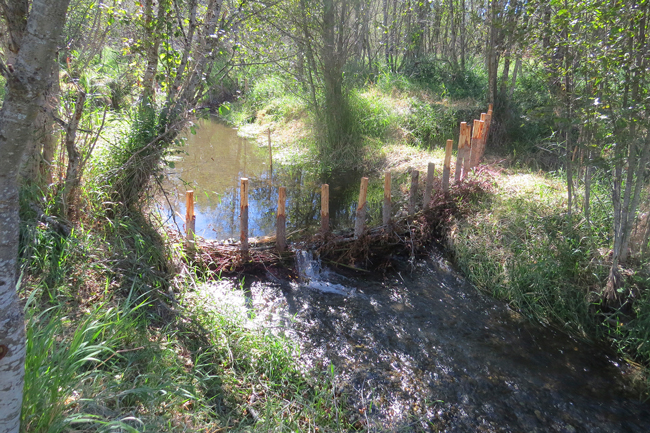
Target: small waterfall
x=308 y=268
x=310 y=274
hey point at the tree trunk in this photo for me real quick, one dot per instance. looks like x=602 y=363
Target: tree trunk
x=385 y=40
x=50 y=137
x=514 y=76
x=491 y=53
x=15 y=15
x=333 y=58
x=73 y=176
x=26 y=82
x=452 y=47
x=151 y=43
x=189 y=41
x=462 y=35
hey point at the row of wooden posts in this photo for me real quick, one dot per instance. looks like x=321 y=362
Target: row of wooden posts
x=471 y=147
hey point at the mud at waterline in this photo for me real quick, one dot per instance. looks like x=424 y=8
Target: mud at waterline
x=420 y=349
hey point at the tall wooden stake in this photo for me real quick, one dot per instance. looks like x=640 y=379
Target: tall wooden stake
x=325 y=208
x=463 y=145
x=414 y=191
x=475 y=145
x=190 y=222
x=481 y=141
x=387 y=199
x=486 y=131
x=243 y=214
x=447 y=167
x=429 y=186
x=360 y=220
x=281 y=221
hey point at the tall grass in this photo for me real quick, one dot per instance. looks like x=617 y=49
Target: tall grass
x=108 y=348
x=3 y=81
x=520 y=248
x=64 y=359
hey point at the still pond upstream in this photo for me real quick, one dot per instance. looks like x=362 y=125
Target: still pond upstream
x=416 y=349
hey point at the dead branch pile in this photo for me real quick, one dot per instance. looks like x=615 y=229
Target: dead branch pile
x=407 y=236
x=375 y=249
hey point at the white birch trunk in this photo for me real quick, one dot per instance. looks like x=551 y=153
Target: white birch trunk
x=26 y=81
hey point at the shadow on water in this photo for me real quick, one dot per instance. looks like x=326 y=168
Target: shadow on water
x=418 y=349
x=422 y=350
x=215 y=160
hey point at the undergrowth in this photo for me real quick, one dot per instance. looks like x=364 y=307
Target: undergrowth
x=522 y=247
x=113 y=344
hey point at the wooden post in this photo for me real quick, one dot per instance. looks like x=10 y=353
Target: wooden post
x=387 y=199
x=360 y=220
x=475 y=145
x=270 y=155
x=414 y=191
x=489 y=107
x=463 y=147
x=481 y=142
x=325 y=208
x=486 y=131
x=190 y=222
x=429 y=186
x=243 y=214
x=281 y=222
x=447 y=167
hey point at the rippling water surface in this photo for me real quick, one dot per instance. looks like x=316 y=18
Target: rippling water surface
x=422 y=350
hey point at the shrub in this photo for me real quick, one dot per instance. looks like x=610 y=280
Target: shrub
x=433 y=124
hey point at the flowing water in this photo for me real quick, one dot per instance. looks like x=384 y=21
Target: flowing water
x=420 y=349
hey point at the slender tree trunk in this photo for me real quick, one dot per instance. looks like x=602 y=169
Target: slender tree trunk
x=385 y=39
x=189 y=42
x=514 y=76
x=452 y=51
x=26 y=82
x=436 y=30
x=505 y=74
x=462 y=35
x=491 y=52
x=333 y=78
x=50 y=137
x=587 y=203
x=72 y=177
x=152 y=43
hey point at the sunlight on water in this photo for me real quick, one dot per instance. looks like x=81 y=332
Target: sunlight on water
x=312 y=276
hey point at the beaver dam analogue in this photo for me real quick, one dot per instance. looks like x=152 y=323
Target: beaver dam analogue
x=363 y=290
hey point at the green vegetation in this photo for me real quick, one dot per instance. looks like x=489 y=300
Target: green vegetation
x=116 y=339
x=116 y=342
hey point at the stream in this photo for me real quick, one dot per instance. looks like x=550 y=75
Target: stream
x=417 y=348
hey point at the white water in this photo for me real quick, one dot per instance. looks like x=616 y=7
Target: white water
x=312 y=275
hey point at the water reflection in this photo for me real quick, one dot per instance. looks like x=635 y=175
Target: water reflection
x=215 y=158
